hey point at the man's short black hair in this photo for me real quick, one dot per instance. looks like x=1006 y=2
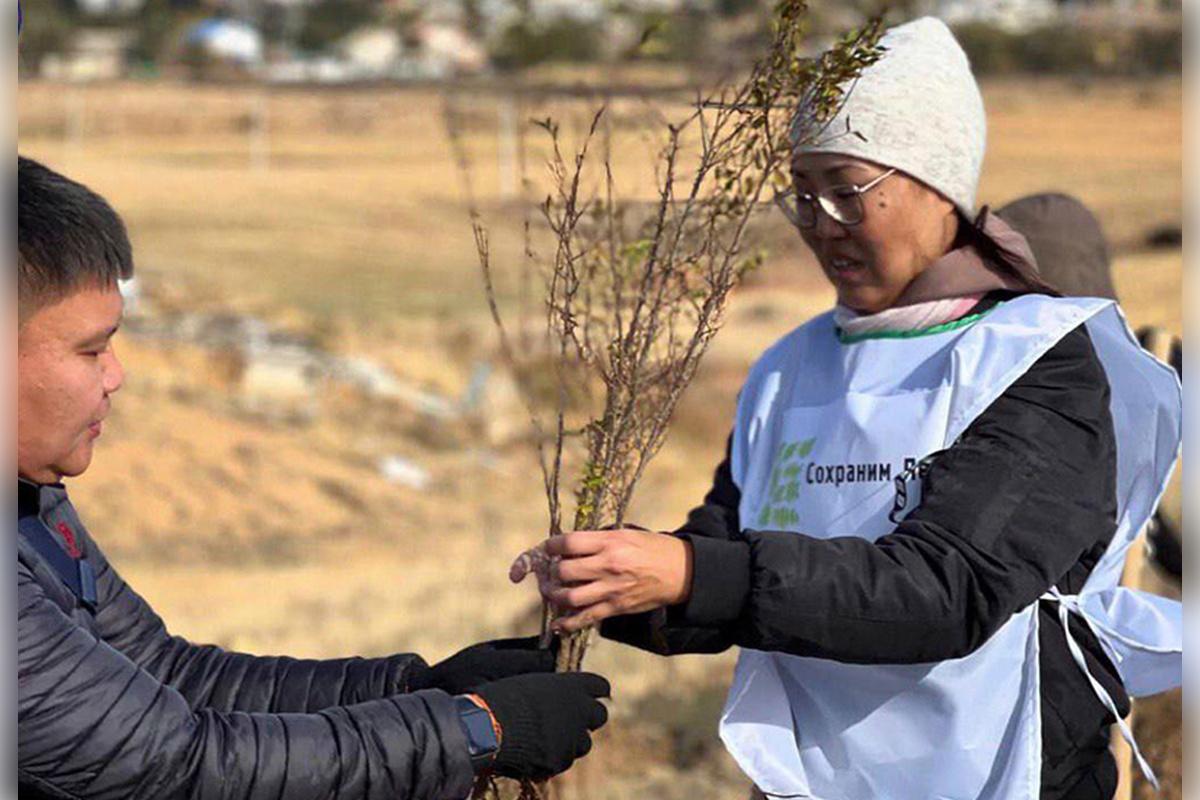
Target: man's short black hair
x=68 y=238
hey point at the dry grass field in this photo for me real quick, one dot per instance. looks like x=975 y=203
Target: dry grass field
x=339 y=216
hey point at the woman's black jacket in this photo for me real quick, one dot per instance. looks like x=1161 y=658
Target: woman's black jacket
x=1024 y=500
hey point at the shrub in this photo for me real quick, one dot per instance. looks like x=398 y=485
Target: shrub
x=1058 y=48
x=526 y=42
x=330 y=20
x=1158 y=50
x=1061 y=48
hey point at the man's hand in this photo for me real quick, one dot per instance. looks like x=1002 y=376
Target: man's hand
x=589 y=576
x=545 y=721
x=486 y=662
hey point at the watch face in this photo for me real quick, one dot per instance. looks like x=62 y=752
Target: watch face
x=477 y=725
x=482 y=738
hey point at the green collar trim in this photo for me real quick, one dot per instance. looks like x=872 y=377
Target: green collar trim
x=962 y=322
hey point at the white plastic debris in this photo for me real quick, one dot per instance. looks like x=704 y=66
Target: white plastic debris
x=398 y=469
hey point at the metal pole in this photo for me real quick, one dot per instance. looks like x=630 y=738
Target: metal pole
x=506 y=163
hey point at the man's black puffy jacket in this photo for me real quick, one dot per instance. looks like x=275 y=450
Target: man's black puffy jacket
x=110 y=705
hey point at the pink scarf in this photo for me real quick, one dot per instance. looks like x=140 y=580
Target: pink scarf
x=947 y=289
x=915 y=317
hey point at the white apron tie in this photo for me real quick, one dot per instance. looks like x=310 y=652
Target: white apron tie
x=1070 y=603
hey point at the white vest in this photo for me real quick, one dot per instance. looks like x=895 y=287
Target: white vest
x=823 y=430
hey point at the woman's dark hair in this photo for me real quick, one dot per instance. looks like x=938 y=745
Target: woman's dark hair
x=1011 y=266
x=68 y=238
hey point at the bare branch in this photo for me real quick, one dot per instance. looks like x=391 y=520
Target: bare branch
x=633 y=295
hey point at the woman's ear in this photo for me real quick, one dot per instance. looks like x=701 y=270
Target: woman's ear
x=944 y=210
x=956 y=225
x=943 y=204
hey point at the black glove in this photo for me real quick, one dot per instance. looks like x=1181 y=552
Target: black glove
x=486 y=662
x=544 y=721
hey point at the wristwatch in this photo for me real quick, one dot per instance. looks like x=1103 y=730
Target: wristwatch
x=482 y=742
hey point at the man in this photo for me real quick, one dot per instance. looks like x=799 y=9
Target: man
x=112 y=706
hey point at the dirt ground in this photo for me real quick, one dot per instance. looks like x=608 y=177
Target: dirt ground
x=339 y=216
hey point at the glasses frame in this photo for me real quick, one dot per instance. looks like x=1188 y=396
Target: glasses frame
x=789 y=202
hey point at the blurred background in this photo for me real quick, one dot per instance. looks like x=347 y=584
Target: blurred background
x=317 y=451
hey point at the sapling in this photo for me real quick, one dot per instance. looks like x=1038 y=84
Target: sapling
x=631 y=296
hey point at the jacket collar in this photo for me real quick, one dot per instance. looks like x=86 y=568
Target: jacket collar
x=38 y=498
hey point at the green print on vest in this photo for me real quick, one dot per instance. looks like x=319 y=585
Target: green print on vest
x=784 y=488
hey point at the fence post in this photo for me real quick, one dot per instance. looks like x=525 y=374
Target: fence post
x=1132 y=577
x=506 y=159
x=74 y=129
x=260 y=131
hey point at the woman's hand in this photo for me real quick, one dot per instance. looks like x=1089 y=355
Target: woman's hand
x=589 y=576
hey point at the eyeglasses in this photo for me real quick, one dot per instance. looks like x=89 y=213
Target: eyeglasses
x=842 y=203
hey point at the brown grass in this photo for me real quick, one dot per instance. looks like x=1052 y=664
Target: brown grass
x=355 y=211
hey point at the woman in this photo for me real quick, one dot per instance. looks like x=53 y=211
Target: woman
x=923 y=487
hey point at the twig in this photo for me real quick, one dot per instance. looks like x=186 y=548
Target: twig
x=632 y=300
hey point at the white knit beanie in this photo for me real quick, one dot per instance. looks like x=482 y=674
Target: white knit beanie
x=917 y=109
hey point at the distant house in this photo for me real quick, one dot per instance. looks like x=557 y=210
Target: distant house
x=1125 y=5
x=1018 y=15
x=449 y=50
x=430 y=51
x=1011 y=15
x=371 y=51
x=228 y=40
x=311 y=69
x=103 y=8
x=497 y=15
x=95 y=54
x=1126 y=12
x=583 y=10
